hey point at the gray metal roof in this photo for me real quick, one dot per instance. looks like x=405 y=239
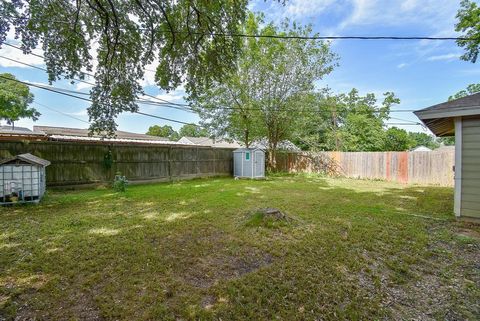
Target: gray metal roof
x=80 y=132
x=29 y=158
x=9 y=130
x=207 y=141
x=439 y=118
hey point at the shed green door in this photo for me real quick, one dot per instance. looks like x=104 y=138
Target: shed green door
x=470 y=201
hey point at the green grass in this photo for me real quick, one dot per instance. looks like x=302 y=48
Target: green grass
x=198 y=250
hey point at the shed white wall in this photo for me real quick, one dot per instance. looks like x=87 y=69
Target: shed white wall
x=248 y=168
x=469 y=148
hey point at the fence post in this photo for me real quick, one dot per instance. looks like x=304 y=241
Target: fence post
x=169 y=155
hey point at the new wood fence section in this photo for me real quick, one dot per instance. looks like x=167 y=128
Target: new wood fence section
x=84 y=163
x=425 y=168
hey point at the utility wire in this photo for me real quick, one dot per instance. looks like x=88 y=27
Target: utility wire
x=165 y=103
x=60 y=112
x=297 y=37
x=89 y=100
x=162 y=104
x=84 y=73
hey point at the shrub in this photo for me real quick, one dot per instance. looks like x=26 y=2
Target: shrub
x=120 y=183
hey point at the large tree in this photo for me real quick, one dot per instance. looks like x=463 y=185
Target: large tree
x=15 y=98
x=470 y=90
x=397 y=139
x=423 y=139
x=264 y=96
x=193 y=130
x=469 y=23
x=163 y=131
x=188 y=40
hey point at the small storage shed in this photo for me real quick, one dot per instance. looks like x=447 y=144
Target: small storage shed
x=460 y=118
x=249 y=162
x=22 y=179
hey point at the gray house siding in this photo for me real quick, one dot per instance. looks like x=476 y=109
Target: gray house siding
x=470 y=199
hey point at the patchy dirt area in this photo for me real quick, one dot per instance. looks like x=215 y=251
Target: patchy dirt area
x=217 y=267
x=436 y=288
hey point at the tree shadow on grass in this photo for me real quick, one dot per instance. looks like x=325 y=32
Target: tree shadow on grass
x=149 y=254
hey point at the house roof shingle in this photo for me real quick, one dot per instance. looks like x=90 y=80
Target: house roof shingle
x=439 y=118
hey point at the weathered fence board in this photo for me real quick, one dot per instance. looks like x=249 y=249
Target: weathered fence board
x=427 y=168
x=83 y=163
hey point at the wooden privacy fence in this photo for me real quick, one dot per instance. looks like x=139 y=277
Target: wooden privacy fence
x=427 y=168
x=74 y=163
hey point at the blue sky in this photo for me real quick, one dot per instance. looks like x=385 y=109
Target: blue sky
x=421 y=73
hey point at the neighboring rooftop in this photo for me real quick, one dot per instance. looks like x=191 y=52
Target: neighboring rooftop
x=78 y=132
x=284 y=145
x=439 y=118
x=18 y=130
x=207 y=141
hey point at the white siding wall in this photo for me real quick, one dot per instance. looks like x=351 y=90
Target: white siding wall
x=470 y=188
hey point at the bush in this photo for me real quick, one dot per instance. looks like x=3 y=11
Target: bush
x=120 y=183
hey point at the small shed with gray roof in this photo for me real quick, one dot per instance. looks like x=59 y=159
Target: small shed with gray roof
x=460 y=118
x=22 y=179
x=249 y=162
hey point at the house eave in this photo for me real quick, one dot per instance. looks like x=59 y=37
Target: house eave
x=426 y=114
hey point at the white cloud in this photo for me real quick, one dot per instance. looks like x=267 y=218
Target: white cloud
x=16 y=54
x=173 y=96
x=446 y=57
x=438 y=15
x=402 y=65
x=301 y=8
x=79 y=85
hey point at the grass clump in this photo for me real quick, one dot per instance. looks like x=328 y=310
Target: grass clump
x=348 y=250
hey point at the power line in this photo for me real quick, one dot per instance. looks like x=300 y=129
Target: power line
x=84 y=73
x=288 y=37
x=89 y=100
x=167 y=119
x=166 y=103
x=60 y=112
x=297 y=37
x=162 y=104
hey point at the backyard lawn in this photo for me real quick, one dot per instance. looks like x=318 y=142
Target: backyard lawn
x=200 y=250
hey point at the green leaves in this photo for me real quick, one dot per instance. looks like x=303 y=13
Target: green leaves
x=263 y=96
x=117 y=38
x=469 y=23
x=14 y=100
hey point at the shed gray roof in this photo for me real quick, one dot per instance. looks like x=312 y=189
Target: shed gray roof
x=439 y=118
x=29 y=158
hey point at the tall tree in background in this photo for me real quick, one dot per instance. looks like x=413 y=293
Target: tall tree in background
x=423 y=139
x=397 y=139
x=14 y=100
x=319 y=128
x=264 y=96
x=362 y=128
x=345 y=122
x=469 y=23
x=183 y=38
x=163 y=131
x=470 y=90
x=192 y=130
